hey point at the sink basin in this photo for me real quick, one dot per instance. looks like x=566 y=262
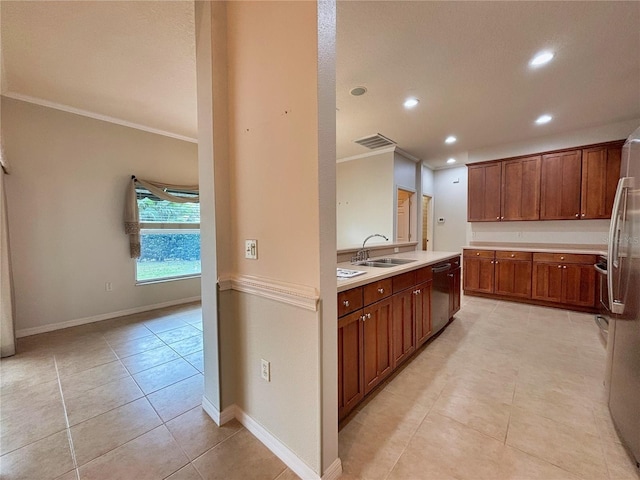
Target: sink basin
x=392 y=261
x=384 y=262
x=374 y=264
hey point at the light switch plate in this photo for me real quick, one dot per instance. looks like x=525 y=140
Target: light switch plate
x=251 y=249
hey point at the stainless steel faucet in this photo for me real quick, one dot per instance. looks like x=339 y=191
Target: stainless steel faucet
x=363 y=254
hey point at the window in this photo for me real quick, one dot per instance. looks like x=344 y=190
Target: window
x=169 y=237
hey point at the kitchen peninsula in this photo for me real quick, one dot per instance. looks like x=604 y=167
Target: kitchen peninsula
x=385 y=313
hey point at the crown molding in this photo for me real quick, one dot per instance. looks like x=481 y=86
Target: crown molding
x=96 y=116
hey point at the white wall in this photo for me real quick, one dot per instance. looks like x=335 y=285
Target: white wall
x=404 y=172
x=365 y=199
x=66 y=198
x=428 y=188
x=450 y=203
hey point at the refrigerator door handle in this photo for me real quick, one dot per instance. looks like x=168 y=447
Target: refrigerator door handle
x=614 y=239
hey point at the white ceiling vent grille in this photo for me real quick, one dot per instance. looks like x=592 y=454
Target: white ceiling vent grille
x=375 y=141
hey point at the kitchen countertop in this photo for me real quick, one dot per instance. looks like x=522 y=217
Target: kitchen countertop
x=373 y=274
x=541 y=247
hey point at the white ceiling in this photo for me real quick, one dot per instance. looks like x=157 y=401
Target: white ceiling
x=129 y=60
x=465 y=61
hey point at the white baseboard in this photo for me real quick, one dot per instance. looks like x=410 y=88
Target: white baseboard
x=216 y=415
x=25 y=332
x=334 y=471
x=283 y=452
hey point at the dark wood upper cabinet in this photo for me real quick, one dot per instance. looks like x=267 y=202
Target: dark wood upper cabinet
x=600 y=173
x=521 y=189
x=560 y=185
x=483 y=201
x=571 y=184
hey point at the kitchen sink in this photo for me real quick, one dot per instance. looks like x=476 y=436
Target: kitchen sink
x=392 y=261
x=374 y=264
x=384 y=262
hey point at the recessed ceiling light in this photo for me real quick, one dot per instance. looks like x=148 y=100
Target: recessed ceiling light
x=357 y=91
x=544 y=119
x=411 y=102
x=450 y=139
x=541 y=58
x=451 y=160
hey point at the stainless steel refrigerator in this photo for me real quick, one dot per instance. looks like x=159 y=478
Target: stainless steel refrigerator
x=623 y=289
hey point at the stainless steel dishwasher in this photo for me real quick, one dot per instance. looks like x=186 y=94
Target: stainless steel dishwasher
x=440 y=296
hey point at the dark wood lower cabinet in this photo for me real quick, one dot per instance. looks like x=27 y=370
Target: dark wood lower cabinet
x=350 y=371
x=479 y=273
x=377 y=351
x=547 y=282
x=422 y=310
x=513 y=278
x=454 y=289
x=404 y=340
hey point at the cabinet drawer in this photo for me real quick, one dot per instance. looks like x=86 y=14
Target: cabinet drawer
x=349 y=301
x=377 y=291
x=564 y=258
x=504 y=255
x=455 y=263
x=424 y=274
x=479 y=253
x=404 y=281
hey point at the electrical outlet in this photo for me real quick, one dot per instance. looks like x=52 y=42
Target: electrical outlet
x=396 y=250
x=265 y=370
x=108 y=287
x=251 y=249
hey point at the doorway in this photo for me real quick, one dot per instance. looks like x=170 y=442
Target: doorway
x=426 y=221
x=404 y=224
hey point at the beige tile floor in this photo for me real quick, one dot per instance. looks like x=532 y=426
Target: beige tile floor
x=120 y=399
x=507 y=391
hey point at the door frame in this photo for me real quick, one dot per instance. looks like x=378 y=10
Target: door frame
x=413 y=213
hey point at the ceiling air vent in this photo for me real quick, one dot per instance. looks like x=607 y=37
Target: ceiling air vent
x=375 y=141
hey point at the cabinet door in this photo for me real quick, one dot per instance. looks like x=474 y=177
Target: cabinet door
x=600 y=173
x=579 y=285
x=377 y=353
x=478 y=274
x=423 y=312
x=350 y=375
x=521 y=189
x=547 y=282
x=483 y=197
x=513 y=278
x=403 y=336
x=560 y=186
x=454 y=292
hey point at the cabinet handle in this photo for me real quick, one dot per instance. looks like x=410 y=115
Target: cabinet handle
x=496 y=262
x=363 y=318
x=513 y=255
x=564 y=266
x=497 y=218
x=583 y=215
x=501 y=218
x=381 y=290
x=345 y=303
x=559 y=266
x=577 y=215
x=368 y=316
x=561 y=258
x=477 y=254
x=450 y=275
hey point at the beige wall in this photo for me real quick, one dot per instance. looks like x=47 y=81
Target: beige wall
x=365 y=199
x=272 y=172
x=66 y=197
x=273 y=133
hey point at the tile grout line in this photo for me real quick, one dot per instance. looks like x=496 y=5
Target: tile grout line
x=66 y=420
